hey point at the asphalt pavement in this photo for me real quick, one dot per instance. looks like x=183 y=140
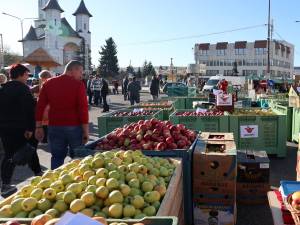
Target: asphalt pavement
x=280 y=168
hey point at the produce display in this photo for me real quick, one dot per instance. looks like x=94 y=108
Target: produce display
x=194 y=113
x=149 y=135
x=112 y=184
x=253 y=112
x=166 y=104
x=139 y=113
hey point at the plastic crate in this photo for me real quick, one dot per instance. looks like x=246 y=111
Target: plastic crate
x=192 y=92
x=296 y=124
x=157 y=220
x=177 y=91
x=179 y=103
x=108 y=123
x=201 y=123
x=288 y=111
x=266 y=133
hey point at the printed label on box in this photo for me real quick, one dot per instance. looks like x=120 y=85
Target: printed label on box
x=224 y=100
x=249 y=131
x=264 y=165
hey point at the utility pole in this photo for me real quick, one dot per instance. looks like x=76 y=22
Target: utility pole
x=1 y=52
x=269 y=40
x=171 y=68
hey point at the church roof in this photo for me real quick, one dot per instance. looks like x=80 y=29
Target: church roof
x=67 y=30
x=31 y=35
x=53 y=4
x=82 y=10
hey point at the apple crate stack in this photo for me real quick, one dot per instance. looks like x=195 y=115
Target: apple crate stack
x=214 y=179
x=253 y=171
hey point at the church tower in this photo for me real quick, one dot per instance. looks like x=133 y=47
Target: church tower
x=42 y=4
x=83 y=28
x=53 y=28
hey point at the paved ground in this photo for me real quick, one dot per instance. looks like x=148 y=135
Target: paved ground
x=247 y=215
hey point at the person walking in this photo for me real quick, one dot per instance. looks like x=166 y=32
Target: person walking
x=125 y=87
x=68 y=113
x=17 y=124
x=89 y=89
x=134 y=88
x=104 y=93
x=154 y=87
x=116 y=86
x=96 y=87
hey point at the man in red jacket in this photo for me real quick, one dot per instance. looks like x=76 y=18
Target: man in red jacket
x=68 y=114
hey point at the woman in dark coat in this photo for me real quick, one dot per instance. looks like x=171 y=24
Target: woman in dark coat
x=154 y=87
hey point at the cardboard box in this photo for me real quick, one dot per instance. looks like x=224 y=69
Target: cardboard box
x=213 y=136
x=214 y=215
x=214 y=187
x=252 y=193
x=215 y=165
x=253 y=167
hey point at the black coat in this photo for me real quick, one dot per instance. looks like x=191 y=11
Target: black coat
x=154 y=86
x=17 y=107
x=104 y=87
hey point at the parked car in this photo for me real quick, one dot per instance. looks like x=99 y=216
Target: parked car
x=172 y=84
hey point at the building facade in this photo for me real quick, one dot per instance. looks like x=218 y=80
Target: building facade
x=246 y=58
x=53 y=34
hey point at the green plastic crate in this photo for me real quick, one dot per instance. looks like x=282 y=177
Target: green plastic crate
x=271 y=133
x=296 y=124
x=288 y=111
x=201 y=123
x=177 y=91
x=192 y=92
x=157 y=220
x=179 y=103
x=108 y=123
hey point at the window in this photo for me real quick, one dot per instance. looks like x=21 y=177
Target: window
x=84 y=26
x=55 y=22
x=56 y=44
x=259 y=62
x=221 y=63
x=260 y=51
x=240 y=51
x=276 y=51
x=287 y=55
x=220 y=51
x=203 y=52
x=282 y=53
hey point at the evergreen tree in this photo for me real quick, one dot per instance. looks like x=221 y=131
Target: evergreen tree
x=139 y=73
x=108 y=60
x=130 y=70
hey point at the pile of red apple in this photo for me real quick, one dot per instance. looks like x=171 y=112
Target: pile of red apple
x=149 y=135
x=141 y=113
x=194 y=113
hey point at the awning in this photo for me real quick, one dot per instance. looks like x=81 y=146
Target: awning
x=260 y=44
x=204 y=46
x=40 y=57
x=222 y=45
x=240 y=44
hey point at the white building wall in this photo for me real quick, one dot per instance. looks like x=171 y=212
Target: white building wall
x=261 y=60
x=30 y=46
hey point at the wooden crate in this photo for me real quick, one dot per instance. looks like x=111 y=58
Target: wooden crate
x=171 y=205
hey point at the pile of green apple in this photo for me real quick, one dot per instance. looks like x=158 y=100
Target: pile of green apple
x=112 y=184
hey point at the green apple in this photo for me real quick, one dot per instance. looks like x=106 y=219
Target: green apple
x=26 y=190
x=35 y=213
x=29 y=204
x=49 y=193
x=128 y=211
x=60 y=206
x=91 y=188
x=102 y=173
x=115 y=197
x=66 y=179
x=102 y=192
x=101 y=182
x=125 y=189
x=44 y=183
x=69 y=196
x=16 y=205
x=134 y=183
x=112 y=184
x=53 y=213
x=35 y=180
x=76 y=188
x=44 y=204
x=114 y=174
x=98 y=162
x=37 y=193
x=88 y=198
x=58 y=186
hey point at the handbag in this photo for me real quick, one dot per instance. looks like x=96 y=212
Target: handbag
x=24 y=155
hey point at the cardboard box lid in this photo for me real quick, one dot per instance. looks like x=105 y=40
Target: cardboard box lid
x=252 y=156
x=207 y=136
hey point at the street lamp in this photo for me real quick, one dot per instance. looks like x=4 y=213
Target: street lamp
x=21 y=20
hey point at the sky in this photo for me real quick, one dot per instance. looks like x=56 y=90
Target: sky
x=157 y=30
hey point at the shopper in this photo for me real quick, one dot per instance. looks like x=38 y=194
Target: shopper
x=68 y=114
x=116 y=86
x=104 y=93
x=96 y=87
x=154 y=87
x=89 y=89
x=134 y=88
x=125 y=87
x=17 y=123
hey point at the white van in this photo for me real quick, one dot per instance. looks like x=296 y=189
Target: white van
x=213 y=81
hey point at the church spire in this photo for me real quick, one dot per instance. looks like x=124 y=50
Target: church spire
x=53 y=4
x=82 y=10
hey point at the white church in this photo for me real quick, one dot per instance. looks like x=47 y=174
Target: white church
x=52 y=41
